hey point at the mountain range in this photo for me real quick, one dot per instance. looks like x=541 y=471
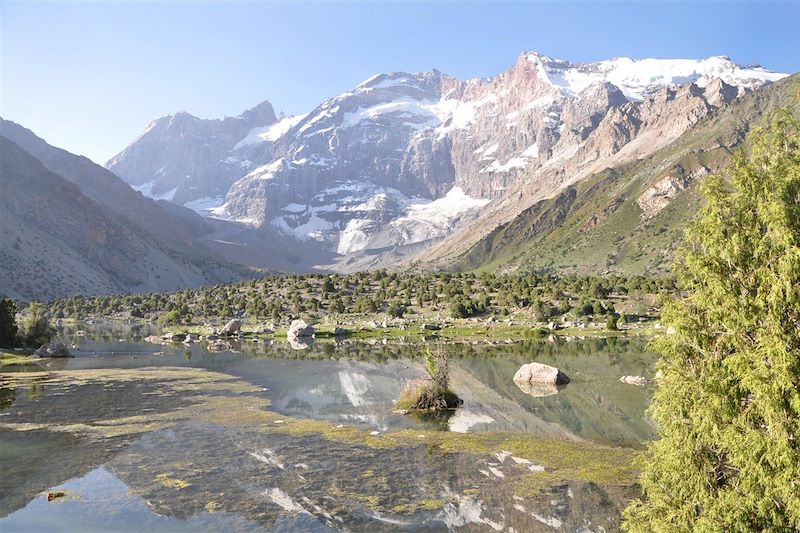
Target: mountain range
x=550 y=164
x=424 y=166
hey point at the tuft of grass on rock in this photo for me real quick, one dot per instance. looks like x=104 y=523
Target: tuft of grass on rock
x=432 y=394
x=426 y=395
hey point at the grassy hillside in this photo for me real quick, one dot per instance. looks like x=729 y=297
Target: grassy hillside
x=598 y=225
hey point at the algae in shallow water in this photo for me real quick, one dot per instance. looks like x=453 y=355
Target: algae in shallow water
x=181 y=394
x=172 y=482
x=9 y=359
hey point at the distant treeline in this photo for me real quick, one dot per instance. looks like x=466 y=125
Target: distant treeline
x=459 y=295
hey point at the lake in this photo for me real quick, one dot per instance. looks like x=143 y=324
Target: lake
x=265 y=436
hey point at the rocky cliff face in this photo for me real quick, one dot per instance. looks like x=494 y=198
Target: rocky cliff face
x=629 y=217
x=182 y=158
x=406 y=159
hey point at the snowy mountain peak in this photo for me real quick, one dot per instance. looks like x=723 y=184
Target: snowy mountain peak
x=403 y=158
x=638 y=78
x=391 y=81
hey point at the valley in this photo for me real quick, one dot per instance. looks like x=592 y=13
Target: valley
x=399 y=266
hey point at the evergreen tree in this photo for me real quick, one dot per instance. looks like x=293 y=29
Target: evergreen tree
x=728 y=395
x=8 y=325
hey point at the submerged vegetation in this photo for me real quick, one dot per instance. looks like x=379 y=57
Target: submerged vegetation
x=172 y=396
x=728 y=399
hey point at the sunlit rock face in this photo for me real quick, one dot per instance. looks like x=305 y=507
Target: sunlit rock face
x=405 y=158
x=185 y=159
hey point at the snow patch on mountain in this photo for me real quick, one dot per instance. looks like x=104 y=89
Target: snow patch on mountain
x=349 y=216
x=268 y=171
x=270 y=133
x=444 y=210
x=354 y=237
x=513 y=163
x=147 y=190
x=426 y=219
x=419 y=113
x=204 y=206
x=531 y=151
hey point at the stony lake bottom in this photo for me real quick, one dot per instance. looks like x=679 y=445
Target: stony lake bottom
x=132 y=436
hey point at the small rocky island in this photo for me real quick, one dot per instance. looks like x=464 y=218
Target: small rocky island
x=432 y=394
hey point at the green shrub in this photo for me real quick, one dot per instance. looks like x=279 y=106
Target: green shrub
x=430 y=394
x=36 y=329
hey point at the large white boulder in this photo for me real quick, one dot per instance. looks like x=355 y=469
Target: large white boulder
x=540 y=373
x=299 y=329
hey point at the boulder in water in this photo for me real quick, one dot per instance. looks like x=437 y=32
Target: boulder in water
x=639 y=381
x=540 y=373
x=299 y=329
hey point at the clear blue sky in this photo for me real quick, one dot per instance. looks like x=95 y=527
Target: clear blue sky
x=90 y=76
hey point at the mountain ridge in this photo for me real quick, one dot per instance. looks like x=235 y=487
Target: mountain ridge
x=363 y=171
x=628 y=218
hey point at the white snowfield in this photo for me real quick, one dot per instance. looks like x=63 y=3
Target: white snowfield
x=270 y=133
x=343 y=215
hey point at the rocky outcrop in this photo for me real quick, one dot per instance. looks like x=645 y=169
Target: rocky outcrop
x=232 y=327
x=53 y=349
x=660 y=194
x=183 y=158
x=540 y=373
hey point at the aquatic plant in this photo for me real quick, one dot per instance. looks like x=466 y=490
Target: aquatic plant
x=433 y=393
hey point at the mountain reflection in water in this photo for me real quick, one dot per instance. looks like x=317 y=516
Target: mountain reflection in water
x=187 y=472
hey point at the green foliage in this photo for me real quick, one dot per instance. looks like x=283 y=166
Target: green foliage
x=425 y=395
x=36 y=330
x=170 y=318
x=327 y=285
x=437 y=366
x=465 y=307
x=728 y=399
x=537 y=296
x=396 y=310
x=8 y=325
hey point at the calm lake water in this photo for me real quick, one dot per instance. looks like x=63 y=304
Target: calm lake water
x=141 y=436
